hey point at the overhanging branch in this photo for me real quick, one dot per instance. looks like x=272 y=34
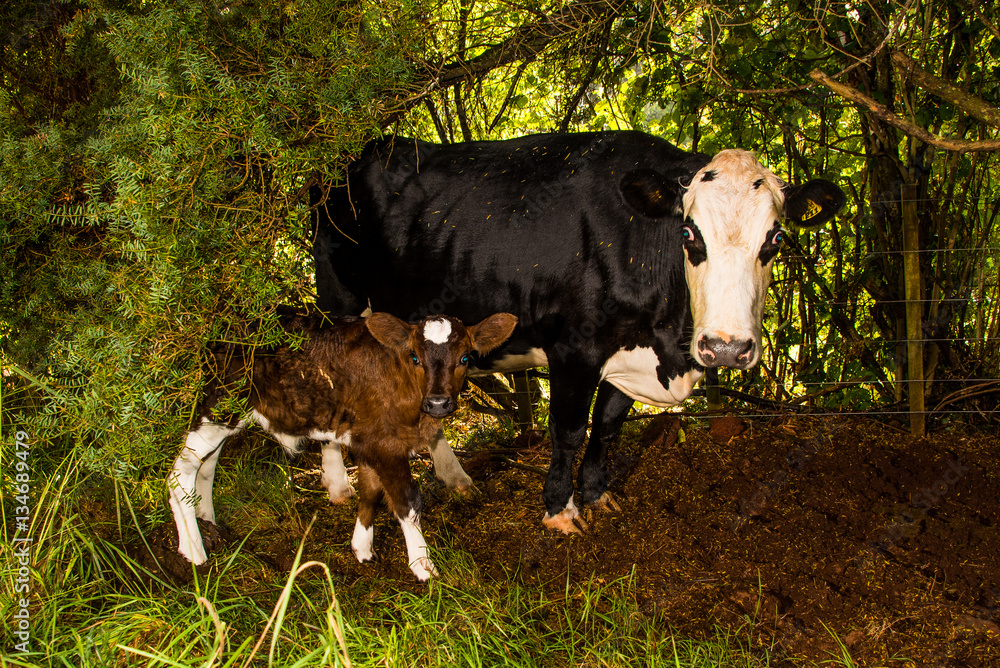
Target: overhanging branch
x=881 y=111
x=946 y=90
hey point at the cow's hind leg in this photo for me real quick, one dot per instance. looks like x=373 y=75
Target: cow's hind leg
x=610 y=410
x=447 y=469
x=369 y=496
x=201 y=449
x=203 y=486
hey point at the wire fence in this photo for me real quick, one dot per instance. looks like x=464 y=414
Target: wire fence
x=825 y=372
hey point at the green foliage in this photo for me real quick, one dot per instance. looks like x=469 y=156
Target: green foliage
x=154 y=159
x=143 y=224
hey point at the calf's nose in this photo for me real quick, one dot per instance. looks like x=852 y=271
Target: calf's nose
x=735 y=353
x=438 y=405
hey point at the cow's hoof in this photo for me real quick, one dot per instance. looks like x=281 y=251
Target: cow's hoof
x=606 y=502
x=568 y=521
x=424 y=569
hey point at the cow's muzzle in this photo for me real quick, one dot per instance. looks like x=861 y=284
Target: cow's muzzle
x=735 y=353
x=439 y=405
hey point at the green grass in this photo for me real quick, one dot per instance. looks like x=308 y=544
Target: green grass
x=87 y=609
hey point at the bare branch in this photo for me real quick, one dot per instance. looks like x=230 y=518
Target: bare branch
x=881 y=111
x=525 y=43
x=946 y=90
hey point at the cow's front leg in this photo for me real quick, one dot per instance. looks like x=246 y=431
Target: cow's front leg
x=334 y=477
x=610 y=410
x=447 y=468
x=568 y=413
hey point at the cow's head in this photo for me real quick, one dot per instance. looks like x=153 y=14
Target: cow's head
x=438 y=350
x=732 y=231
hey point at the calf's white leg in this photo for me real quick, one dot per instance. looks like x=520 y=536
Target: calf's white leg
x=201 y=449
x=334 y=476
x=446 y=466
x=203 y=486
x=362 y=541
x=416 y=547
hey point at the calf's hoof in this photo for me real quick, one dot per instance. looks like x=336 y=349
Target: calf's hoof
x=468 y=491
x=424 y=569
x=341 y=496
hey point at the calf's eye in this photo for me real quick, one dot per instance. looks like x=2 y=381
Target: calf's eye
x=415 y=359
x=464 y=361
x=687 y=233
x=778 y=238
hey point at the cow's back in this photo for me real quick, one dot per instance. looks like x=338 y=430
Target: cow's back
x=536 y=226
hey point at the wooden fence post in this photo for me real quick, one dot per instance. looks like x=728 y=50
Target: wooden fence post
x=712 y=393
x=914 y=310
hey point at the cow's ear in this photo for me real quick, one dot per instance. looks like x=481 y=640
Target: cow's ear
x=649 y=192
x=389 y=330
x=813 y=203
x=492 y=331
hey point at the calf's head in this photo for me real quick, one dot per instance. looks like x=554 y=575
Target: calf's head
x=732 y=231
x=438 y=350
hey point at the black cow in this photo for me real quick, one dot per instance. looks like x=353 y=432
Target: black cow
x=630 y=265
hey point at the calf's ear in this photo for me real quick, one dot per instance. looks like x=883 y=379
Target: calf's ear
x=813 y=203
x=492 y=331
x=389 y=330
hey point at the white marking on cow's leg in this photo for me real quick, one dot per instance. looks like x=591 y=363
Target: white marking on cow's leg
x=566 y=520
x=416 y=547
x=446 y=465
x=334 y=476
x=202 y=444
x=362 y=541
x=203 y=486
x=437 y=331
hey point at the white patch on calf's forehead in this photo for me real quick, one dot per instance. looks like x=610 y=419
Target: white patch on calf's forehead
x=437 y=331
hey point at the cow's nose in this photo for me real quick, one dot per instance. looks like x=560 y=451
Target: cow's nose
x=438 y=405
x=736 y=353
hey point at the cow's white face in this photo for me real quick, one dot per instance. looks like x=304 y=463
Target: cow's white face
x=732 y=232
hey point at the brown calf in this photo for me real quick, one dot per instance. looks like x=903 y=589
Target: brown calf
x=378 y=383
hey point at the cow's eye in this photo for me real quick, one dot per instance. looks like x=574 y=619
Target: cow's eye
x=778 y=238
x=465 y=360
x=415 y=359
x=687 y=233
